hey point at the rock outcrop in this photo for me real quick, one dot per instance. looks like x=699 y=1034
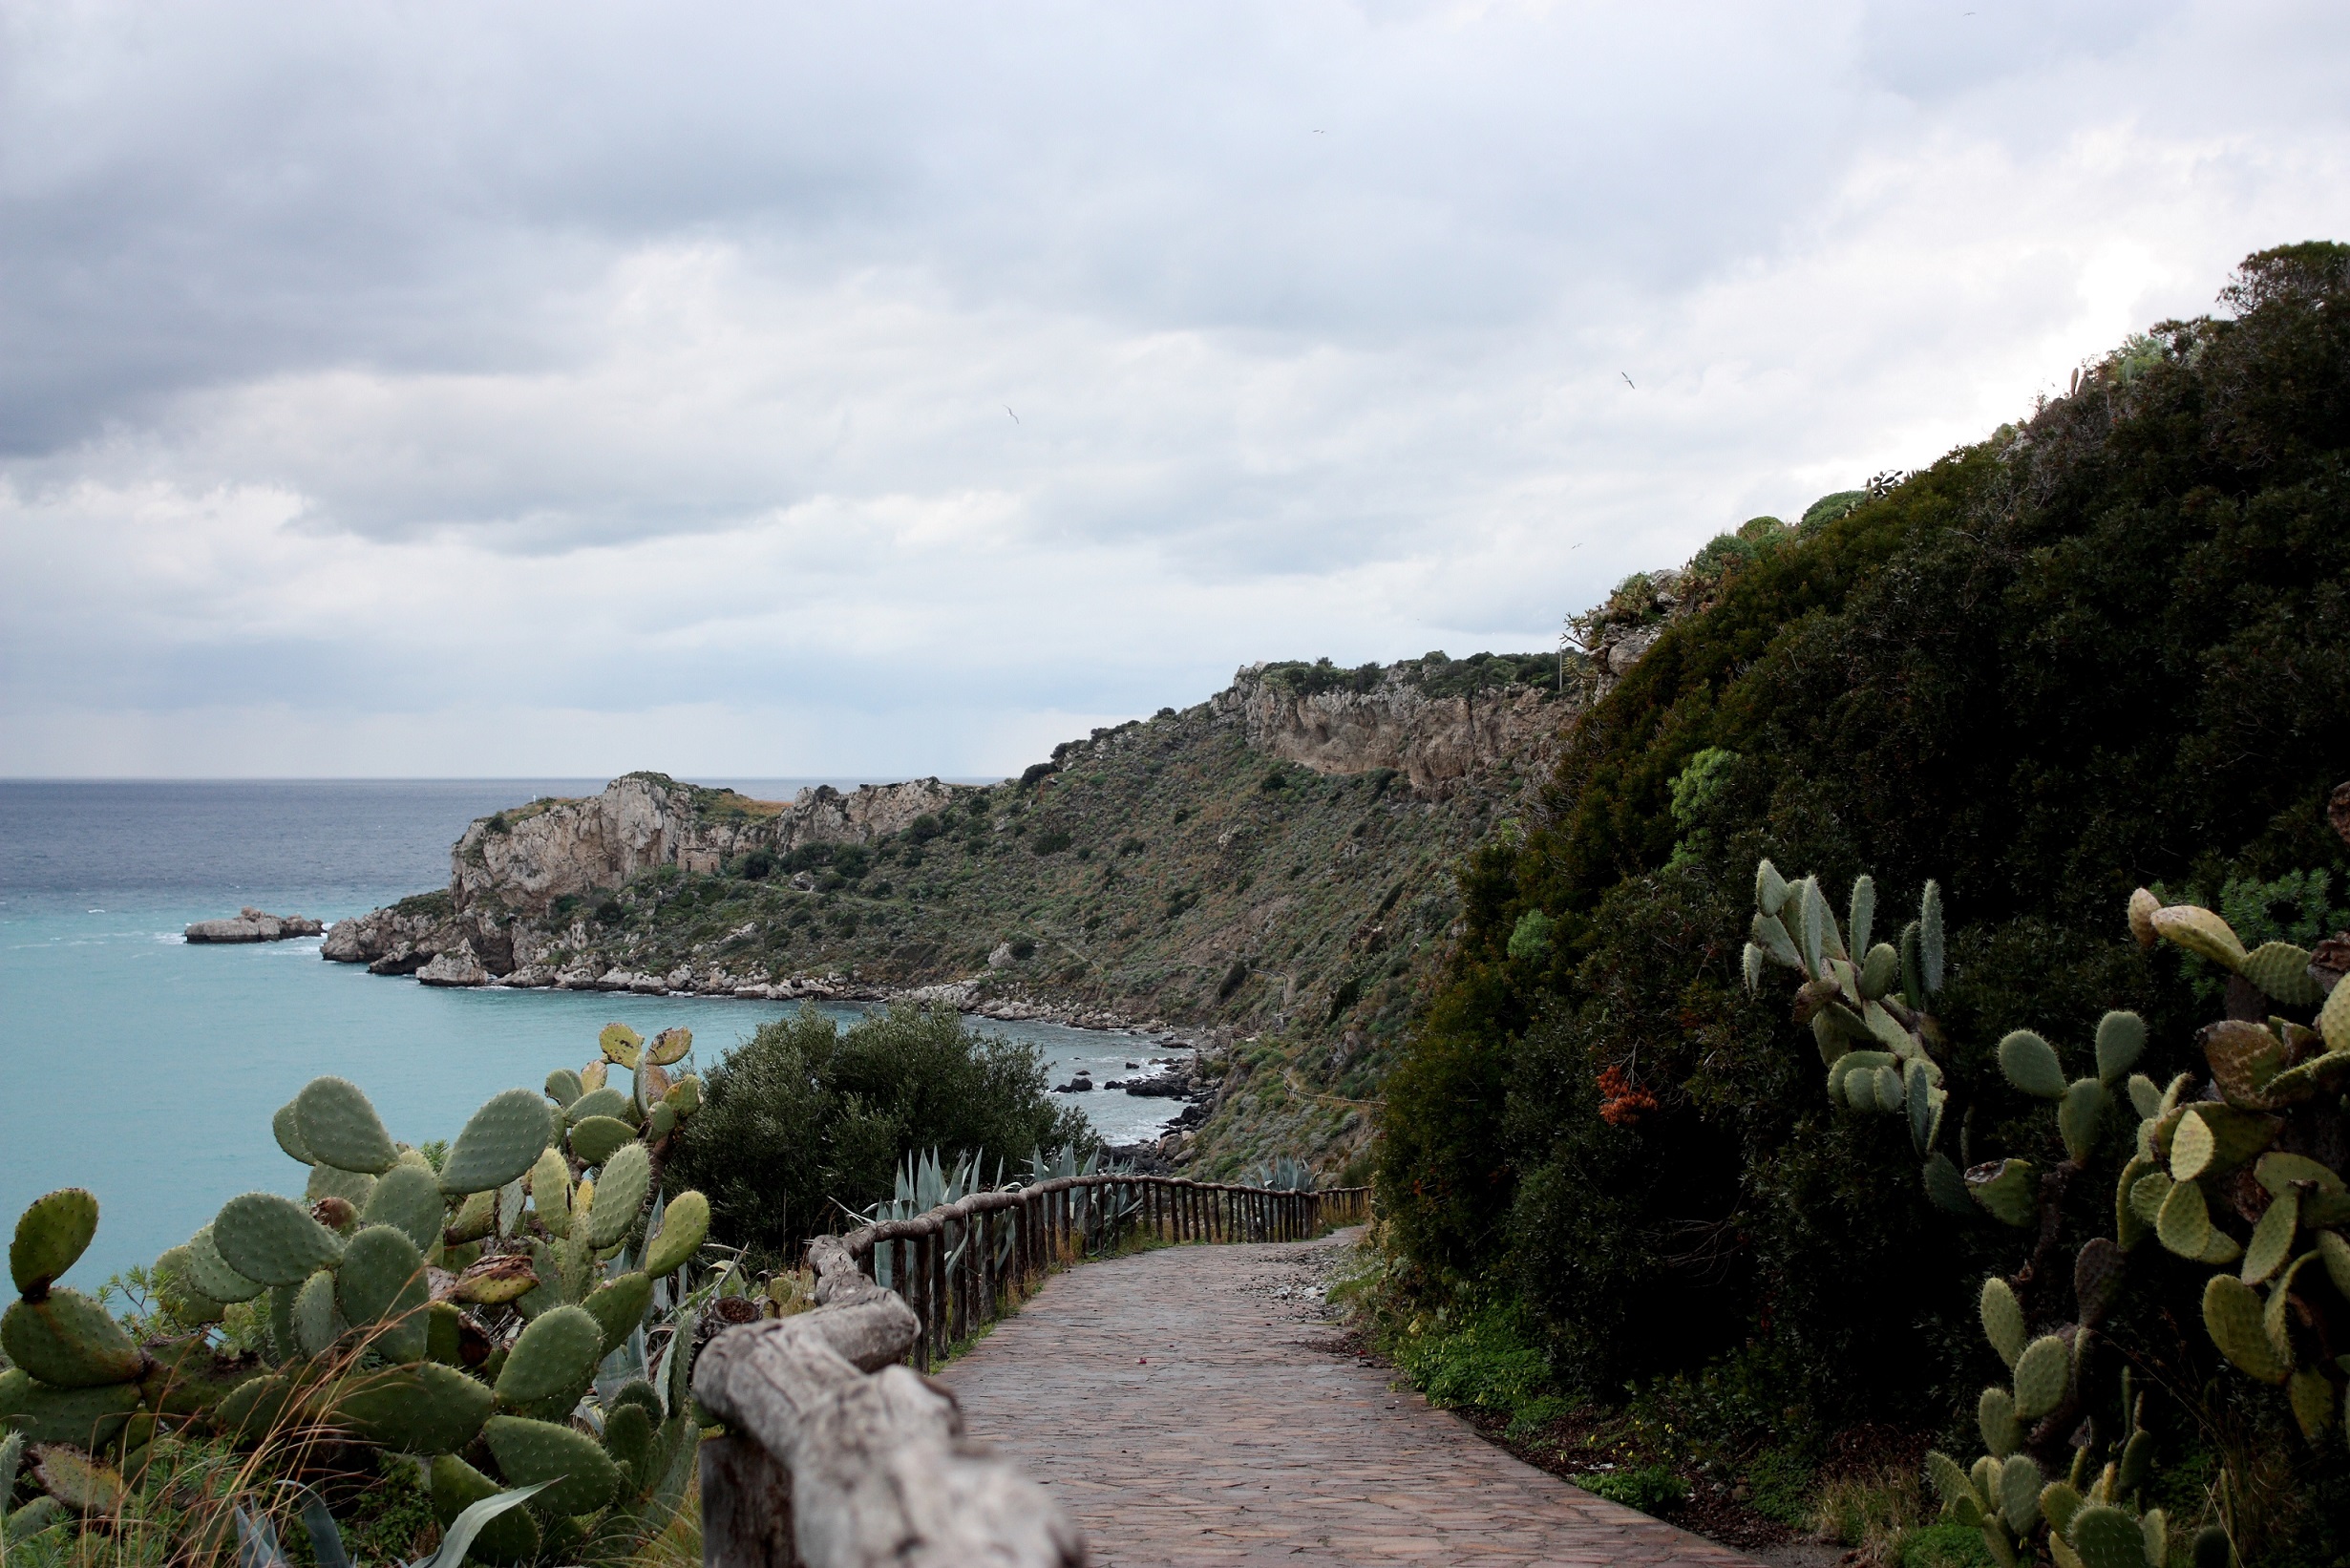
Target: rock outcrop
x=1395 y=722
x=521 y=860
x=252 y=924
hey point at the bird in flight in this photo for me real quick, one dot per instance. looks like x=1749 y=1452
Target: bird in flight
x=1627 y=379
x=1007 y=409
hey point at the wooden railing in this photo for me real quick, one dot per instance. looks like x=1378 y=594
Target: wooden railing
x=842 y=1453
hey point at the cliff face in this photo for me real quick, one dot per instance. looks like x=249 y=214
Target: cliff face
x=522 y=861
x=1431 y=737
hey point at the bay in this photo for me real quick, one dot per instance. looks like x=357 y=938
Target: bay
x=146 y=1070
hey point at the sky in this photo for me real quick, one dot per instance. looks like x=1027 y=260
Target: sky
x=777 y=390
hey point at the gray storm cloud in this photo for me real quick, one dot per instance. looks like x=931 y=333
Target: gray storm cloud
x=746 y=390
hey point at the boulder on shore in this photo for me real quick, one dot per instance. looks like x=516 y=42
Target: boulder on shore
x=252 y=924
x=459 y=965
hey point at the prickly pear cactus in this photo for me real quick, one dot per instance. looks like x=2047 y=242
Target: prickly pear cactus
x=2237 y=1170
x=535 y=1285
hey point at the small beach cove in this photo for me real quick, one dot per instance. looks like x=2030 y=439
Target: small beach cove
x=147 y=1067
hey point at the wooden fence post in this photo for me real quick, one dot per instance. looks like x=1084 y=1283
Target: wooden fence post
x=746 y=1507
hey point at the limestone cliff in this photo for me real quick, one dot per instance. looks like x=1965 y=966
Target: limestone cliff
x=522 y=861
x=1404 y=717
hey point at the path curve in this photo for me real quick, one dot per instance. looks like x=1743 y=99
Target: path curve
x=1192 y=1406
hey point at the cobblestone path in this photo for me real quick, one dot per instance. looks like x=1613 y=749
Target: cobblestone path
x=1193 y=1406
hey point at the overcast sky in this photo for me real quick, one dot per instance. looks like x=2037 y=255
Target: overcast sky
x=898 y=388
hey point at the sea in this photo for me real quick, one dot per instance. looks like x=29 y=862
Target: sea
x=146 y=1068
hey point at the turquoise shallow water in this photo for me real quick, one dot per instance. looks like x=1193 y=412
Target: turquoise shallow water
x=146 y=1070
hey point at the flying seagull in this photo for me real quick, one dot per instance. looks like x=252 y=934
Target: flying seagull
x=1007 y=409
x=1627 y=380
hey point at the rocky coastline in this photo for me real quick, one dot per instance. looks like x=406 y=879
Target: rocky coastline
x=251 y=924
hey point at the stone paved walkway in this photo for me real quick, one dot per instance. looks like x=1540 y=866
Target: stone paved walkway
x=1191 y=1406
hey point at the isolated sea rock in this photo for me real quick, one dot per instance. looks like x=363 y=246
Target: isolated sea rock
x=251 y=924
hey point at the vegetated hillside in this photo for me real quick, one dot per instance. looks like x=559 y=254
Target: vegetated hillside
x=2108 y=646
x=1193 y=868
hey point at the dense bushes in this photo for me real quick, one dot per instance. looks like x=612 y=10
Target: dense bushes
x=803 y=1118
x=2108 y=648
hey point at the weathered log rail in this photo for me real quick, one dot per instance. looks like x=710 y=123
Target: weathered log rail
x=842 y=1453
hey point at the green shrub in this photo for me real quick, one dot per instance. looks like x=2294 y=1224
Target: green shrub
x=1651 y=1489
x=1050 y=842
x=803 y=1116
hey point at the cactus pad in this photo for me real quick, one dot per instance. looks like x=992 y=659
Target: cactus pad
x=509 y=1540
x=1952 y=1482
x=2129 y=1226
x=621 y=1190
x=550 y=1192
x=52 y=1235
x=408 y=1199
x=316 y=1323
x=2282 y=971
x=598 y=1138
x=2059 y=1502
x=69 y=1341
x=2020 y=1485
x=605 y=1101
x=381 y=1282
x=2272 y=1240
x=77 y=1480
x=340 y=1128
x=499 y=1142
x=2141 y=907
x=2145 y=1096
x=2334 y=1019
x=2238 y=1137
x=2232 y=1314
x=660 y=1122
x=2105 y=1537
x=2002 y=1321
x=564 y=1087
x=2121 y=1040
x=1770 y=933
x=669 y=1047
x=2149 y=1192
x=353 y=1187
x=618 y=1305
x=493 y=1282
x=1881 y=971
x=2278 y=1172
x=2042 y=1374
x=475 y=1218
x=684 y=1223
x=652 y=1084
x=2245 y=1059
x=2030 y=1063
x=1994 y=1416
x=271 y=1240
x=2006 y=1189
x=2311 y=1398
x=88 y=1418
x=2200 y=932
x=593 y=1074
x=582 y=1477
x=620 y=1045
x=285 y=1126
x=2077 y=1117
x=1945 y=1188
x=421 y=1408
x=2097 y=1278
x=555 y=1356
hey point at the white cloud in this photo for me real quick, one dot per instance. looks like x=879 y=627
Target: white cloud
x=766 y=392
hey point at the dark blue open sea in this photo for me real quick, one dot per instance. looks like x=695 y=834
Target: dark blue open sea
x=146 y=1070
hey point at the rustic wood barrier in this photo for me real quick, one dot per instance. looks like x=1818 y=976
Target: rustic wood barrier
x=839 y=1457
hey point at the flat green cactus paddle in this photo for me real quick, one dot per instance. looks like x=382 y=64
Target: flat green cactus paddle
x=69 y=1341
x=273 y=1239
x=556 y=1357
x=2104 y=1537
x=684 y=1223
x=581 y=1476
x=52 y=1235
x=2232 y=1314
x=2042 y=1374
x=501 y=1142
x=2002 y=1321
x=506 y=1542
x=424 y=1407
x=339 y=1127
x=2121 y=1040
x=381 y=1290
x=2030 y=1063
x=621 y=1191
